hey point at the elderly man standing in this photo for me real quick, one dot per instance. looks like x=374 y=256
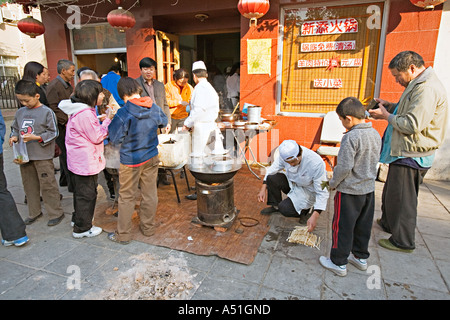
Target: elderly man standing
x=416 y=129
x=57 y=90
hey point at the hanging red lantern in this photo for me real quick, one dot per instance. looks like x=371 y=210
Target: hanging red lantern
x=253 y=9
x=121 y=19
x=427 y=4
x=31 y=27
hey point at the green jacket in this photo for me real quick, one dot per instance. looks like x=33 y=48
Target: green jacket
x=421 y=119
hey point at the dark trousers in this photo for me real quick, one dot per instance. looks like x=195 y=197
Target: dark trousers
x=84 y=200
x=12 y=226
x=352 y=225
x=276 y=184
x=64 y=178
x=399 y=204
x=109 y=182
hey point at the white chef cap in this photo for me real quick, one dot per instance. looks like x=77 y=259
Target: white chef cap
x=288 y=149
x=198 y=65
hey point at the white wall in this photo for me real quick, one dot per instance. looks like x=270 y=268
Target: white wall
x=441 y=165
x=15 y=43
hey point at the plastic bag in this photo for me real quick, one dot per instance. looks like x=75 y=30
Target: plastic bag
x=112 y=156
x=20 y=152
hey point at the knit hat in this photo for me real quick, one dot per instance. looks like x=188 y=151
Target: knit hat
x=288 y=149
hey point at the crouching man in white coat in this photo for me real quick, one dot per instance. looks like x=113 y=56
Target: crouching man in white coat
x=299 y=173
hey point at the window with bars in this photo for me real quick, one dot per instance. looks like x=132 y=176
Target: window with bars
x=329 y=53
x=9 y=66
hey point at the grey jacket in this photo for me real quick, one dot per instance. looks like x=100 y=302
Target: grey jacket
x=421 y=120
x=357 y=160
x=160 y=95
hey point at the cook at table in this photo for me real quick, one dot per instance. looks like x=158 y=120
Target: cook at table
x=204 y=110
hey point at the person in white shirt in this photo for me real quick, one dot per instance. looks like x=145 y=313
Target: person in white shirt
x=297 y=172
x=234 y=85
x=204 y=110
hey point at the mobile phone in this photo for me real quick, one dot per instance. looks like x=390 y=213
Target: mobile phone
x=373 y=104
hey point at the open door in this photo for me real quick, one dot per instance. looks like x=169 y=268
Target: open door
x=167 y=55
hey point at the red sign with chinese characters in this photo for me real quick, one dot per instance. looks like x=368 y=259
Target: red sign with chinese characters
x=328 y=46
x=313 y=28
x=327 y=83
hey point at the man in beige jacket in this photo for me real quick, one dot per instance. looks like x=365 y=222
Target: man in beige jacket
x=416 y=129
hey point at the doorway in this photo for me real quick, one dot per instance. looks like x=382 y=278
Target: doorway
x=219 y=51
x=102 y=62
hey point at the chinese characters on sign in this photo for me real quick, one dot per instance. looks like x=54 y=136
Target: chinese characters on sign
x=328 y=27
x=353 y=62
x=328 y=46
x=327 y=83
x=312 y=28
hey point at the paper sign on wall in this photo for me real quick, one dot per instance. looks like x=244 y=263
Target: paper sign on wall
x=259 y=56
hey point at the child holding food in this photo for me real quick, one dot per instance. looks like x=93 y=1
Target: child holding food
x=85 y=158
x=37 y=126
x=354 y=180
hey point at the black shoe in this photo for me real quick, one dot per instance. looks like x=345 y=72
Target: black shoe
x=192 y=196
x=29 y=221
x=269 y=210
x=54 y=222
x=304 y=216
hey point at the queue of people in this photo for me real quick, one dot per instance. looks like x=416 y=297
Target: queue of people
x=416 y=128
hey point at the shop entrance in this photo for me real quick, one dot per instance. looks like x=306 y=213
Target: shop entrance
x=99 y=47
x=219 y=51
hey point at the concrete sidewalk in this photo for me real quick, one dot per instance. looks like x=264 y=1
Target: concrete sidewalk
x=44 y=268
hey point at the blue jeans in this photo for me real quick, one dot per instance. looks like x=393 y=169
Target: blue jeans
x=12 y=226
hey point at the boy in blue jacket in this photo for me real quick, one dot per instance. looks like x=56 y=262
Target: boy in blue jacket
x=135 y=128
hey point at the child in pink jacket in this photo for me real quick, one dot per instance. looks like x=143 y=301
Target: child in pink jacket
x=84 y=143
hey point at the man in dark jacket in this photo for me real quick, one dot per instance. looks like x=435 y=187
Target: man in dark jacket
x=155 y=90
x=60 y=89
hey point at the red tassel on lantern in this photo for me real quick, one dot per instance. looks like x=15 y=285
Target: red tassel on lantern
x=31 y=27
x=253 y=9
x=121 y=19
x=427 y=4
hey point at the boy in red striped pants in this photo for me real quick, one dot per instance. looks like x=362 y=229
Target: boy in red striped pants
x=354 y=180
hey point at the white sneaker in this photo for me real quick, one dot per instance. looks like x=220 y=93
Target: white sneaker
x=361 y=264
x=328 y=264
x=94 y=231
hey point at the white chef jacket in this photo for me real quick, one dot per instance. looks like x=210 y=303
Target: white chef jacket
x=204 y=104
x=304 y=180
x=204 y=107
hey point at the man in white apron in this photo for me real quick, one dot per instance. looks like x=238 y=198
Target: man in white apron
x=204 y=110
x=299 y=173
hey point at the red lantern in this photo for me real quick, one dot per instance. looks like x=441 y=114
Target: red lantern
x=121 y=19
x=427 y=4
x=253 y=9
x=31 y=27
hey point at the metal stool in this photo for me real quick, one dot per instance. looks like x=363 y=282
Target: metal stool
x=171 y=171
